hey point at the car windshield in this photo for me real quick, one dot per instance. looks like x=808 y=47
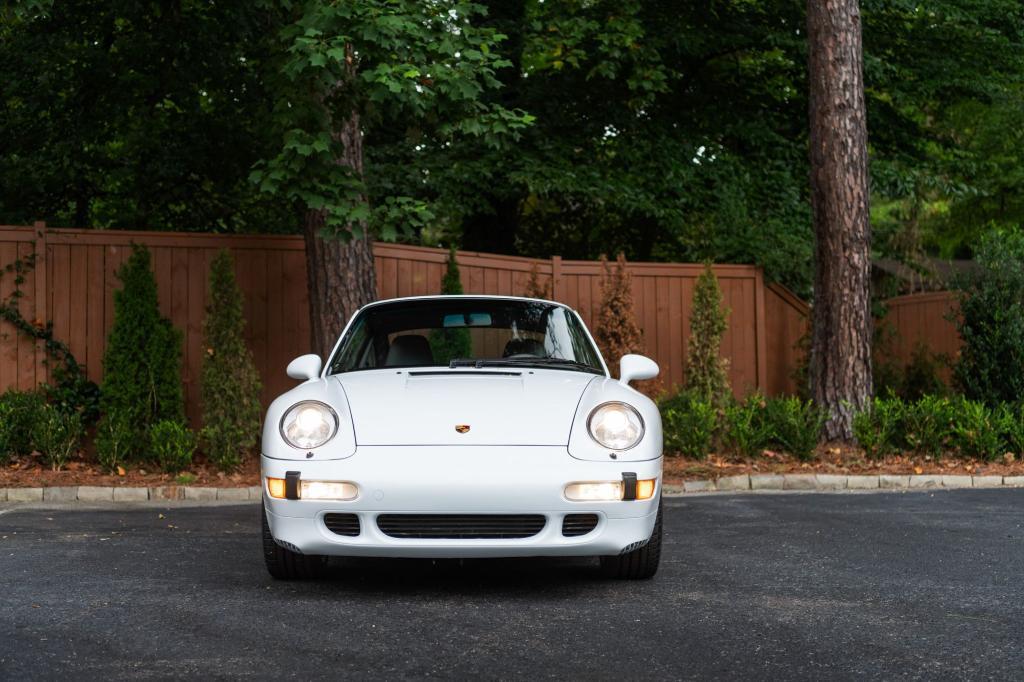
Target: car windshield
x=466 y=332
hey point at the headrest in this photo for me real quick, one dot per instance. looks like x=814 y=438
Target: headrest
x=409 y=350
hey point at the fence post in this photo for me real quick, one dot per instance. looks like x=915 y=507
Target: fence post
x=761 y=331
x=556 y=278
x=41 y=312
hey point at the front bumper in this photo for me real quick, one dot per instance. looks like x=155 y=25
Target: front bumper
x=461 y=480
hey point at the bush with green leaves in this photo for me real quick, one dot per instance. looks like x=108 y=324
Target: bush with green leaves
x=795 y=425
x=706 y=370
x=230 y=384
x=115 y=441
x=990 y=320
x=19 y=411
x=142 y=364
x=171 y=445
x=878 y=429
x=1012 y=421
x=689 y=423
x=928 y=425
x=57 y=435
x=450 y=344
x=745 y=427
x=978 y=429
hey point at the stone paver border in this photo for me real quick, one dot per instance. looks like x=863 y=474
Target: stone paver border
x=741 y=483
x=835 y=482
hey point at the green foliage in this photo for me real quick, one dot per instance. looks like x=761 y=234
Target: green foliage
x=746 y=429
x=706 y=369
x=928 y=424
x=795 y=425
x=142 y=363
x=171 y=445
x=19 y=411
x=617 y=331
x=689 y=423
x=990 y=321
x=978 y=430
x=116 y=441
x=921 y=375
x=450 y=344
x=878 y=428
x=230 y=383
x=1012 y=423
x=57 y=435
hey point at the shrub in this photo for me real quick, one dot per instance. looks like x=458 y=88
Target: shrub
x=928 y=425
x=795 y=425
x=921 y=375
x=990 y=321
x=449 y=344
x=57 y=435
x=230 y=383
x=115 y=440
x=171 y=445
x=617 y=331
x=19 y=411
x=977 y=430
x=878 y=429
x=689 y=424
x=1012 y=423
x=142 y=363
x=535 y=288
x=745 y=429
x=706 y=370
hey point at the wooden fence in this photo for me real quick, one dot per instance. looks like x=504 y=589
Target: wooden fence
x=74 y=280
x=921 y=320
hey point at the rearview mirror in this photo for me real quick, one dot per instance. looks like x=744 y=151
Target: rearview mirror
x=305 y=367
x=634 y=367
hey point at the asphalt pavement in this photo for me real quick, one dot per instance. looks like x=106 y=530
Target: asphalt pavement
x=909 y=585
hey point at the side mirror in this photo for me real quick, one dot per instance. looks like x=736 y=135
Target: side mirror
x=636 y=367
x=305 y=367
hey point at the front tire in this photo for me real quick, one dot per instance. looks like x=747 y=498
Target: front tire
x=641 y=563
x=285 y=564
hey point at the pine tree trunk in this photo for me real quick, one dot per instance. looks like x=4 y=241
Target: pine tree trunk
x=842 y=325
x=339 y=270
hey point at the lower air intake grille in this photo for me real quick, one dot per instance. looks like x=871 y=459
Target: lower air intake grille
x=575 y=525
x=461 y=526
x=342 y=524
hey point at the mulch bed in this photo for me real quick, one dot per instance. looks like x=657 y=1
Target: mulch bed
x=28 y=472
x=835 y=460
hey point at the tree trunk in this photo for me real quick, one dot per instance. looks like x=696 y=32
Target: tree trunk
x=842 y=325
x=339 y=269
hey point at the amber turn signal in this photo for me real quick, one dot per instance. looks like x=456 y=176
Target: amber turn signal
x=275 y=486
x=645 y=488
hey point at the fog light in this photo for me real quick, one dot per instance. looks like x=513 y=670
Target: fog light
x=275 y=486
x=645 y=488
x=594 y=492
x=327 y=490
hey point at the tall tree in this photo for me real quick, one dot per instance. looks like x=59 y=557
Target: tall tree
x=842 y=324
x=348 y=63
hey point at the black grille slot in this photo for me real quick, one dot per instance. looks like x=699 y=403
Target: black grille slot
x=461 y=526
x=342 y=524
x=574 y=525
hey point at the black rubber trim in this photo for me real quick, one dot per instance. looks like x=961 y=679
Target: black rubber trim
x=628 y=485
x=291 y=485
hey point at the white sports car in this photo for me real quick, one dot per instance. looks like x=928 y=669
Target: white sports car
x=463 y=426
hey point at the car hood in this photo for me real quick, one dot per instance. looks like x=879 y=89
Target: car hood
x=500 y=406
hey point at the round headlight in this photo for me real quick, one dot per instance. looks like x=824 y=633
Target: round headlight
x=308 y=425
x=616 y=426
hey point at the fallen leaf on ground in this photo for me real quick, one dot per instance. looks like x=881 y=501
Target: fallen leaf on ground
x=918 y=470
x=121 y=471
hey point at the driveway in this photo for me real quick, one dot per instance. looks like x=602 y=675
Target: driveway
x=917 y=585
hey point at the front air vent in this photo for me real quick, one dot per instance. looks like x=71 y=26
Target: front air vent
x=342 y=524
x=461 y=526
x=575 y=525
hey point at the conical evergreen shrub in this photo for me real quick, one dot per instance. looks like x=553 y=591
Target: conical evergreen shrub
x=617 y=331
x=454 y=343
x=141 y=366
x=707 y=373
x=230 y=387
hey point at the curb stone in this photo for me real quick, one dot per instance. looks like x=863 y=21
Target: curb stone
x=24 y=494
x=203 y=494
x=95 y=493
x=987 y=481
x=957 y=482
x=799 y=482
x=766 y=482
x=256 y=492
x=167 y=492
x=862 y=482
x=60 y=494
x=1015 y=481
x=926 y=481
x=888 y=481
x=741 y=482
x=831 y=481
x=699 y=486
x=233 y=494
x=131 y=494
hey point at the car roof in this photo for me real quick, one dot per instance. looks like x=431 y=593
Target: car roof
x=448 y=297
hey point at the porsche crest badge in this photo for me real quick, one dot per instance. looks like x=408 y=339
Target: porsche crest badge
x=462 y=428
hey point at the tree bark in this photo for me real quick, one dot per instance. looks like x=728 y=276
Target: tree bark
x=842 y=324
x=339 y=270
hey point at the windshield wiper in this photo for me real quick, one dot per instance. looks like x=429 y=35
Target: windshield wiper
x=534 y=361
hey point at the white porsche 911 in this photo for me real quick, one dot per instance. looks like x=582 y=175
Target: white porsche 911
x=463 y=426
